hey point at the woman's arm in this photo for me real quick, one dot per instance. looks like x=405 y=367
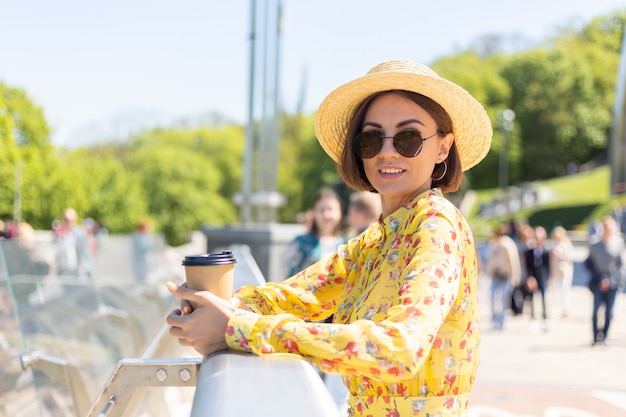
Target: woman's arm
x=392 y=349
x=311 y=294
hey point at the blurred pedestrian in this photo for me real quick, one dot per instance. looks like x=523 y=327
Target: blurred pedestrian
x=73 y=252
x=537 y=260
x=144 y=247
x=561 y=270
x=524 y=241
x=606 y=266
x=9 y=228
x=364 y=210
x=21 y=255
x=323 y=237
x=503 y=267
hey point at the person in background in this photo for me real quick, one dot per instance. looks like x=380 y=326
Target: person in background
x=537 y=260
x=144 y=246
x=363 y=210
x=561 y=269
x=9 y=228
x=525 y=236
x=503 y=266
x=606 y=266
x=323 y=237
x=21 y=255
x=403 y=294
x=73 y=251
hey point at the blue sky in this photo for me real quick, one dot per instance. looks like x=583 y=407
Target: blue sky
x=103 y=69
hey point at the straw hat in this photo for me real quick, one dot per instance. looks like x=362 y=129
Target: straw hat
x=472 y=127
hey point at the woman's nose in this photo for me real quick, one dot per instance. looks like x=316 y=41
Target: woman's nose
x=388 y=149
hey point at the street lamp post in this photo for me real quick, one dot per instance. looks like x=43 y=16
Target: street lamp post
x=506 y=118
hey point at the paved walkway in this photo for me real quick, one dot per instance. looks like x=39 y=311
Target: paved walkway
x=526 y=371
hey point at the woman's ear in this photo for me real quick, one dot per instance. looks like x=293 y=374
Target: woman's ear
x=444 y=147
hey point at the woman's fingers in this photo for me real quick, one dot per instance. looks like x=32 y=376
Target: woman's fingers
x=186 y=295
x=204 y=327
x=175 y=321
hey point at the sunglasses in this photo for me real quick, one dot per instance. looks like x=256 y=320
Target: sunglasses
x=408 y=143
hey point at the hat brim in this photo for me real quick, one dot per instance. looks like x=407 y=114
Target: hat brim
x=471 y=125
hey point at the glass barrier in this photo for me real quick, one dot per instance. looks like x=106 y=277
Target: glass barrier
x=61 y=336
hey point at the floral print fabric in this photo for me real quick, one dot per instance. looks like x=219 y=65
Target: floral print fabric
x=403 y=297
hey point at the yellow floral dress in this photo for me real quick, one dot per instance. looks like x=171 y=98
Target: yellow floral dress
x=403 y=295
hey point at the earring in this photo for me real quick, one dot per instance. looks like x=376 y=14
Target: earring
x=445 y=170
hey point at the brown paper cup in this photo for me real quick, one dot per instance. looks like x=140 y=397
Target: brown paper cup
x=213 y=272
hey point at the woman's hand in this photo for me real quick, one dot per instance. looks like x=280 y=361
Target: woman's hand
x=185 y=305
x=204 y=328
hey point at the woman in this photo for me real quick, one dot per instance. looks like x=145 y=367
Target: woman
x=403 y=294
x=561 y=268
x=324 y=235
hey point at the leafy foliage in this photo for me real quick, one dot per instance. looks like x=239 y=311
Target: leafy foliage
x=562 y=94
x=560 y=124
x=188 y=178
x=481 y=78
x=304 y=166
x=25 y=150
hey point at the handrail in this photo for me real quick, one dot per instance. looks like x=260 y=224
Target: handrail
x=238 y=384
x=60 y=371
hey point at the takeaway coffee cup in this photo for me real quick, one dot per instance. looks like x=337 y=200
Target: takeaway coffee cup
x=213 y=272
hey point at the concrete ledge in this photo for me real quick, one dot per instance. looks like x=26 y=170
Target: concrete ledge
x=237 y=384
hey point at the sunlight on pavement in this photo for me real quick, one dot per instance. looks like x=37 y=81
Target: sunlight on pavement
x=486 y=411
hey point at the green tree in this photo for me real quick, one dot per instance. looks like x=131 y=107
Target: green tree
x=481 y=77
x=106 y=191
x=560 y=117
x=606 y=31
x=24 y=149
x=304 y=167
x=182 y=184
x=599 y=43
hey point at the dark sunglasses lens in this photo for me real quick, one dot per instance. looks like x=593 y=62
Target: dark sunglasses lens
x=408 y=143
x=367 y=144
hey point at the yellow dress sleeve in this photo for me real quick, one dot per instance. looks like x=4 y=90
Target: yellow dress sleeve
x=397 y=308
x=311 y=294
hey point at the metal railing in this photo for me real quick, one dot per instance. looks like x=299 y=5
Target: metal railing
x=58 y=370
x=120 y=395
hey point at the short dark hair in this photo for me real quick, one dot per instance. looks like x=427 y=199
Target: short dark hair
x=351 y=165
